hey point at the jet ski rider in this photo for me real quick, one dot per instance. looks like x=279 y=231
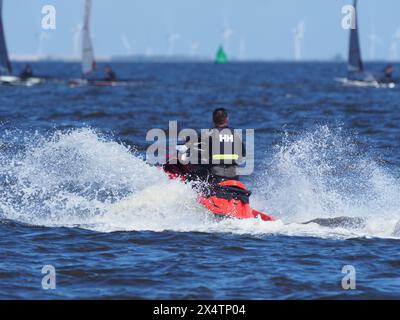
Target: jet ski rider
x=223 y=153
x=220 y=158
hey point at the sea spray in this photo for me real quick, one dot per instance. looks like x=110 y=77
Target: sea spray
x=81 y=178
x=68 y=175
x=324 y=173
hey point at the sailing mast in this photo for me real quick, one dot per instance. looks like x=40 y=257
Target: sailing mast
x=355 y=64
x=88 y=62
x=5 y=65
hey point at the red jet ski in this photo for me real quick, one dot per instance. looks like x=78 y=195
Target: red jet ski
x=229 y=199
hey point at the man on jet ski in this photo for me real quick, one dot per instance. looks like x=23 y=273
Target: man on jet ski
x=213 y=167
x=220 y=152
x=226 y=149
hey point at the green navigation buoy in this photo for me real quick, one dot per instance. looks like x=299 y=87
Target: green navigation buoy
x=221 y=56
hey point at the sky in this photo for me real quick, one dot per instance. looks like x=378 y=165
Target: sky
x=260 y=29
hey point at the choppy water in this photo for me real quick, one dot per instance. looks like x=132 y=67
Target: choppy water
x=76 y=194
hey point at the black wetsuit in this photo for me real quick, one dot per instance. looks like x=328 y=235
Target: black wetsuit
x=26 y=73
x=388 y=74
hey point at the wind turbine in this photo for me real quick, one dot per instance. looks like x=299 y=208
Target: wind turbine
x=43 y=35
x=148 y=52
x=373 y=41
x=299 y=32
x=126 y=44
x=172 y=37
x=194 y=48
x=242 y=48
x=393 y=50
x=227 y=33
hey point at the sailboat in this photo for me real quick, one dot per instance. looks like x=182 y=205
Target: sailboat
x=6 y=77
x=356 y=74
x=88 y=63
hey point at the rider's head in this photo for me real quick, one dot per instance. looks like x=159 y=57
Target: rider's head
x=220 y=117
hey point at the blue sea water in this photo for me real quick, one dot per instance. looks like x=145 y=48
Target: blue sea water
x=76 y=194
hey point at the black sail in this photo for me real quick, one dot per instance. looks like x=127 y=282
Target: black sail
x=5 y=65
x=355 y=64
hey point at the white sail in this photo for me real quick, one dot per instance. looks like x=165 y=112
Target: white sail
x=88 y=62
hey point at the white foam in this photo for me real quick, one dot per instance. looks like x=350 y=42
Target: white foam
x=323 y=174
x=79 y=178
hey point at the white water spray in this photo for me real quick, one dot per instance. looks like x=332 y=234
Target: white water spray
x=80 y=178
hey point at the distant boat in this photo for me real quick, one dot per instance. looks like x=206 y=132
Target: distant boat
x=356 y=74
x=221 y=56
x=88 y=63
x=6 y=77
x=355 y=65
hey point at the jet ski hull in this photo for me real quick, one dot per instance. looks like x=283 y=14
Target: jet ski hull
x=232 y=209
x=227 y=199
